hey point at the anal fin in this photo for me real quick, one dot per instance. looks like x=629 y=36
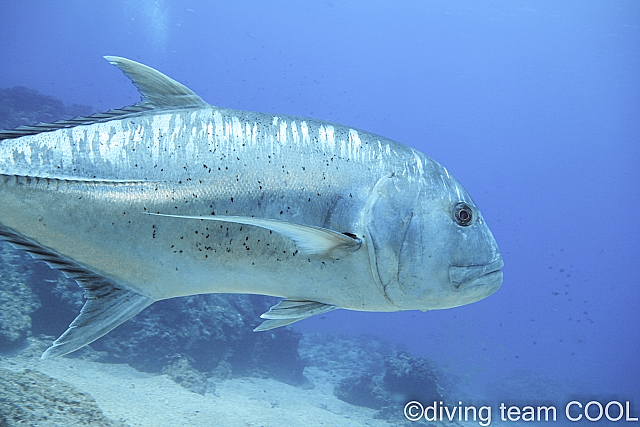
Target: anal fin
x=288 y=311
x=99 y=316
x=108 y=303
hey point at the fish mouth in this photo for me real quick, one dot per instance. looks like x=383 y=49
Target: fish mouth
x=465 y=277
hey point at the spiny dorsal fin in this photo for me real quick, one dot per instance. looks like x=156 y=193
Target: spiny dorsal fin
x=158 y=91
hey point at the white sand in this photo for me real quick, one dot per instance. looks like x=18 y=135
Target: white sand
x=145 y=400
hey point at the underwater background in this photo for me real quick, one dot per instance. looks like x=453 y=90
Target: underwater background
x=534 y=106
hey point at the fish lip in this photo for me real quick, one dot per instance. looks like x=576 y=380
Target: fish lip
x=491 y=282
x=468 y=276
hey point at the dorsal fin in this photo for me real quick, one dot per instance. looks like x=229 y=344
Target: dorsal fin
x=158 y=91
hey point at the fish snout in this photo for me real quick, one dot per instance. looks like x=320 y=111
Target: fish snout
x=464 y=277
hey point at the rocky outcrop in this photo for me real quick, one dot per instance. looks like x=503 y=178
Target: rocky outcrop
x=183 y=374
x=409 y=378
x=23 y=106
x=208 y=329
x=31 y=398
x=405 y=379
x=364 y=390
x=17 y=299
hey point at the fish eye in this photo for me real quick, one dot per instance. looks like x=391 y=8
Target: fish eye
x=463 y=214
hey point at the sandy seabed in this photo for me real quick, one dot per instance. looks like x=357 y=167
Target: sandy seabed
x=145 y=400
x=140 y=399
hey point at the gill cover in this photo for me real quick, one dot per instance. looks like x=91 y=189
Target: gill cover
x=387 y=218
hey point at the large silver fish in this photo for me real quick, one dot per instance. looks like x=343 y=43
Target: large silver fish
x=173 y=197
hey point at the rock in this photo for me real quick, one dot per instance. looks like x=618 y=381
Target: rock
x=17 y=299
x=223 y=371
x=344 y=356
x=272 y=354
x=361 y=391
x=22 y=106
x=31 y=398
x=183 y=374
x=210 y=329
x=405 y=379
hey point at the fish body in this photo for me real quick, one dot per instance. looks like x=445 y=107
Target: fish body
x=173 y=197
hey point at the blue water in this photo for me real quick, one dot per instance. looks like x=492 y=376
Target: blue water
x=533 y=105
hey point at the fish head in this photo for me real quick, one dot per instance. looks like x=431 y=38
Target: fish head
x=429 y=245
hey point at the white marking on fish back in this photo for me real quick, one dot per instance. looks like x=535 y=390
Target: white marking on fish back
x=282 y=133
x=355 y=144
x=219 y=127
x=160 y=125
x=305 y=133
x=330 y=138
x=237 y=129
x=294 y=133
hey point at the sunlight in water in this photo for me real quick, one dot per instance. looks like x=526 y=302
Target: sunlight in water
x=153 y=17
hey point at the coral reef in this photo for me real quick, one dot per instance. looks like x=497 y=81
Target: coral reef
x=183 y=374
x=408 y=378
x=22 y=106
x=368 y=372
x=17 y=299
x=32 y=398
x=344 y=356
x=361 y=390
x=405 y=379
x=210 y=329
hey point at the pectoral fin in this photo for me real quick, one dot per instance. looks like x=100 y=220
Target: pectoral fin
x=309 y=239
x=288 y=311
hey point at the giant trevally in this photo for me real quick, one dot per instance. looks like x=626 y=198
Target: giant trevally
x=173 y=196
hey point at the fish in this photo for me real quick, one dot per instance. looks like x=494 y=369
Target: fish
x=173 y=196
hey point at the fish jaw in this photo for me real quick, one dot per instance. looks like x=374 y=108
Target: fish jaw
x=466 y=276
x=483 y=280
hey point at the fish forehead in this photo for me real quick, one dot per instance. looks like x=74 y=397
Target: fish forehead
x=184 y=143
